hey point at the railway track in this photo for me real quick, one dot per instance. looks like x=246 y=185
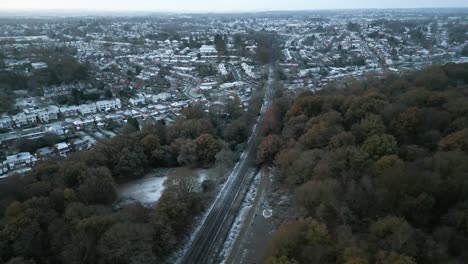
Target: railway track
x=205 y=247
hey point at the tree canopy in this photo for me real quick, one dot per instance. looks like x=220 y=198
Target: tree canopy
x=65 y=211
x=380 y=169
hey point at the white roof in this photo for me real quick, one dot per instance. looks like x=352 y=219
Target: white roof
x=61 y=145
x=19 y=156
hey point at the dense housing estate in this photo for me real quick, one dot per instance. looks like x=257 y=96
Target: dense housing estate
x=144 y=71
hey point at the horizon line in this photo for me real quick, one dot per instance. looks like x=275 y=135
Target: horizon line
x=234 y=11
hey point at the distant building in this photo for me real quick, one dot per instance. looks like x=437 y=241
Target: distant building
x=139 y=99
x=39 y=65
x=48 y=114
x=31 y=133
x=231 y=85
x=21 y=160
x=21 y=119
x=44 y=153
x=248 y=70
x=84 y=123
x=68 y=111
x=80 y=144
x=6 y=122
x=208 y=49
x=222 y=69
x=32 y=118
x=108 y=105
x=86 y=109
x=57 y=129
x=3 y=169
x=62 y=149
x=161 y=97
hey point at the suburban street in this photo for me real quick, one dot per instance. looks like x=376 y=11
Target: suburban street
x=206 y=245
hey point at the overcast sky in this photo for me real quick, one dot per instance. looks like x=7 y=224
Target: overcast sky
x=222 y=5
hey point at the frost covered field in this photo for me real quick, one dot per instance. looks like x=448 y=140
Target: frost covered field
x=147 y=190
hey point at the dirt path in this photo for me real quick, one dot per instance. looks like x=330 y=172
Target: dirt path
x=272 y=206
x=238 y=250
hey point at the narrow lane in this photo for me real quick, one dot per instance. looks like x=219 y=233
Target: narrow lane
x=235 y=256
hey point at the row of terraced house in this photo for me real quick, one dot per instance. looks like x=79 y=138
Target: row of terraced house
x=31 y=116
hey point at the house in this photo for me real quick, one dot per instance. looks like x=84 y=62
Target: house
x=208 y=49
x=20 y=119
x=6 y=122
x=62 y=149
x=39 y=65
x=68 y=111
x=205 y=87
x=251 y=48
x=138 y=100
x=161 y=107
x=32 y=133
x=57 y=129
x=48 y=113
x=185 y=50
x=248 y=70
x=31 y=117
x=99 y=121
x=231 y=85
x=108 y=105
x=180 y=104
x=3 y=169
x=161 y=97
x=86 y=109
x=21 y=160
x=80 y=144
x=44 y=153
x=84 y=123
x=28 y=117
x=115 y=117
x=8 y=137
x=222 y=69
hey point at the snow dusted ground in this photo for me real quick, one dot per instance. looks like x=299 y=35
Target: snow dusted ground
x=237 y=225
x=198 y=221
x=202 y=175
x=176 y=257
x=147 y=190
